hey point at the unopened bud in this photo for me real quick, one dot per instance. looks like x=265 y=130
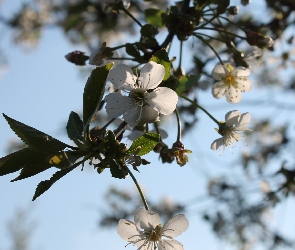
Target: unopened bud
x=233 y=10
x=245 y=2
x=259 y=40
x=77 y=57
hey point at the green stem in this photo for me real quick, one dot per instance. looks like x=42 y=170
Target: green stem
x=131 y=16
x=211 y=37
x=215 y=52
x=180 y=55
x=178 y=125
x=139 y=189
x=120 y=58
x=200 y=107
x=224 y=31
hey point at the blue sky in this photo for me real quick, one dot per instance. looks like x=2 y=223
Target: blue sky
x=40 y=89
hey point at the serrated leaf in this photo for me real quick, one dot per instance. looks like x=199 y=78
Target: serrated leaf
x=65 y=159
x=161 y=57
x=132 y=50
x=15 y=161
x=93 y=92
x=34 y=138
x=75 y=127
x=40 y=162
x=144 y=144
x=43 y=186
x=186 y=83
x=117 y=171
x=35 y=165
x=153 y=16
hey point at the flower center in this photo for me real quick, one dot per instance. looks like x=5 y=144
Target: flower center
x=155 y=236
x=139 y=96
x=230 y=79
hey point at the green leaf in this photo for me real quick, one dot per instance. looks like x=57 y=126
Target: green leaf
x=40 y=162
x=65 y=159
x=117 y=171
x=186 y=83
x=37 y=164
x=149 y=30
x=144 y=144
x=132 y=50
x=34 y=138
x=75 y=127
x=161 y=57
x=153 y=16
x=43 y=186
x=93 y=92
x=15 y=161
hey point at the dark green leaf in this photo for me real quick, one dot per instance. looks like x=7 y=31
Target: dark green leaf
x=186 y=83
x=40 y=162
x=144 y=144
x=43 y=186
x=161 y=57
x=118 y=171
x=132 y=50
x=34 y=138
x=37 y=164
x=15 y=161
x=75 y=127
x=153 y=16
x=93 y=92
x=149 y=30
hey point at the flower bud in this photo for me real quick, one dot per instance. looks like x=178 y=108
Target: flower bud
x=259 y=40
x=245 y=2
x=233 y=10
x=77 y=57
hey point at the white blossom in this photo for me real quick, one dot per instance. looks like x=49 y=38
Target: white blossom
x=231 y=82
x=232 y=129
x=147 y=233
x=144 y=100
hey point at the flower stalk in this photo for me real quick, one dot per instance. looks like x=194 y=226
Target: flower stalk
x=200 y=107
x=139 y=189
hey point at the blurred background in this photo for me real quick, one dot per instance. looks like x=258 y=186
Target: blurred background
x=239 y=200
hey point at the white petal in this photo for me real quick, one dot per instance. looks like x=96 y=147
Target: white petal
x=175 y=226
x=241 y=71
x=232 y=118
x=163 y=100
x=132 y=114
x=146 y=220
x=149 y=115
x=116 y=104
x=244 y=83
x=170 y=245
x=217 y=144
x=244 y=121
x=151 y=75
x=233 y=95
x=128 y=231
x=122 y=77
x=96 y=57
x=218 y=89
x=219 y=72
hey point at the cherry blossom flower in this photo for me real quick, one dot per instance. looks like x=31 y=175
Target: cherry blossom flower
x=231 y=82
x=144 y=100
x=147 y=233
x=232 y=129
